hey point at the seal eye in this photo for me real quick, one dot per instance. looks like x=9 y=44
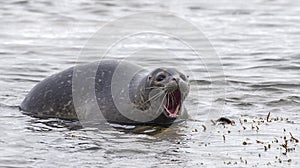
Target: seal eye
x=184 y=77
x=160 y=77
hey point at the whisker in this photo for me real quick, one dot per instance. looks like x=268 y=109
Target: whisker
x=156 y=87
x=153 y=97
x=165 y=96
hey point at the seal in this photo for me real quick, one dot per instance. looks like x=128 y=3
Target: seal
x=152 y=98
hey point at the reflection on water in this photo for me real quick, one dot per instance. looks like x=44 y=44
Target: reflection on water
x=257 y=41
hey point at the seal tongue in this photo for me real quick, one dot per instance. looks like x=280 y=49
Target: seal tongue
x=172 y=105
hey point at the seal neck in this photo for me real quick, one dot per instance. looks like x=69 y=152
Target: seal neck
x=138 y=89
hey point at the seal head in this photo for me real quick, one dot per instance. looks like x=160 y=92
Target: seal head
x=166 y=85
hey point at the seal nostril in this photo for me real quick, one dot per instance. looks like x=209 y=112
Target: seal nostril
x=175 y=79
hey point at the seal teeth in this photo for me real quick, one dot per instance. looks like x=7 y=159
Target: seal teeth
x=172 y=114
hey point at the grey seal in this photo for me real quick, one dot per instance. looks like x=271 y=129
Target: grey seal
x=160 y=93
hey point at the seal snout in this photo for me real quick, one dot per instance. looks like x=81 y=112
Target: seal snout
x=172 y=86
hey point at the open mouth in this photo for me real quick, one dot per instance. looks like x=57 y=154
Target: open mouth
x=173 y=103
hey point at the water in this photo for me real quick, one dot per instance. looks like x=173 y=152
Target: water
x=257 y=41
